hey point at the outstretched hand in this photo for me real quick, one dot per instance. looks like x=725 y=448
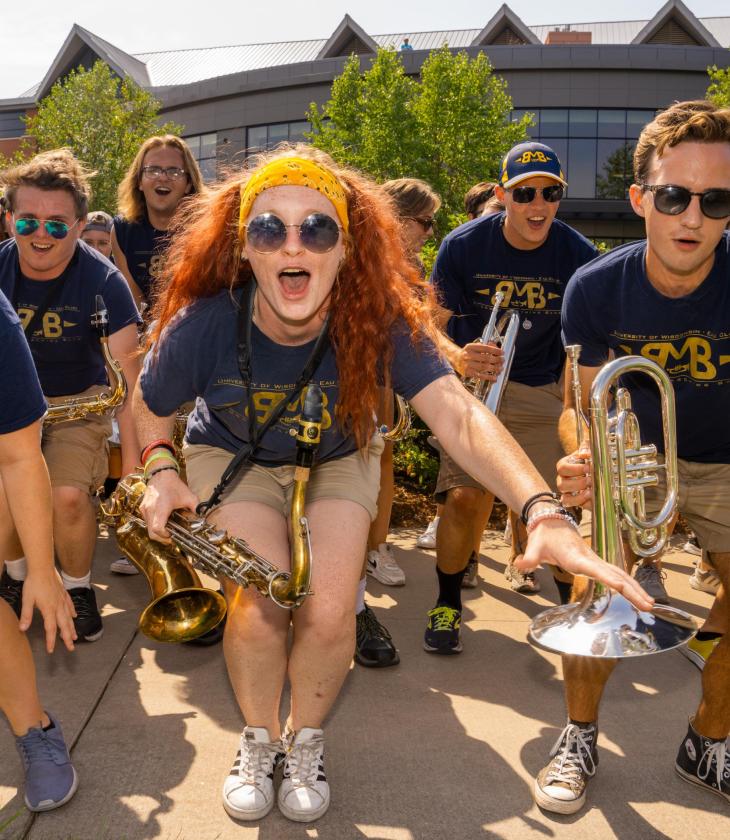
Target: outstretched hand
x=45 y=591
x=559 y=544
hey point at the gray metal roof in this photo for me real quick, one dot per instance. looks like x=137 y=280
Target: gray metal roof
x=179 y=67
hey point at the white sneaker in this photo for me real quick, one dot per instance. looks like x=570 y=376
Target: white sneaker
x=705 y=581
x=382 y=566
x=304 y=794
x=122 y=566
x=428 y=538
x=248 y=791
x=523 y=582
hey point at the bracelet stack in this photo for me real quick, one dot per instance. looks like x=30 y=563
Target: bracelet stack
x=558 y=513
x=159 y=450
x=545 y=496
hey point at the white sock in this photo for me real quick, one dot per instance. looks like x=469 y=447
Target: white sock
x=435 y=521
x=17 y=569
x=76 y=583
x=360 y=602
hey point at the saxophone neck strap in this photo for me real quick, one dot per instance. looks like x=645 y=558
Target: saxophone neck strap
x=257 y=432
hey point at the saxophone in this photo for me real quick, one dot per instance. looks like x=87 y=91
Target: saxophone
x=181 y=608
x=76 y=408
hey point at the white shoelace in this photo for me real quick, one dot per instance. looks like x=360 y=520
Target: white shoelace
x=572 y=756
x=302 y=762
x=257 y=761
x=716 y=750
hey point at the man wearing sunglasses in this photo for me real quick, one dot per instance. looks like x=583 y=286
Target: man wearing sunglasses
x=666 y=298
x=529 y=256
x=52 y=280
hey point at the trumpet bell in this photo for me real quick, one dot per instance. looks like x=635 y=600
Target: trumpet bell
x=610 y=627
x=183 y=615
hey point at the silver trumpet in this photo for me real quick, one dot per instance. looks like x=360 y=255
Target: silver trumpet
x=501 y=331
x=603 y=623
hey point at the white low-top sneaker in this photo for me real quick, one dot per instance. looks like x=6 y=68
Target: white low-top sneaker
x=304 y=794
x=248 y=791
x=383 y=567
x=428 y=538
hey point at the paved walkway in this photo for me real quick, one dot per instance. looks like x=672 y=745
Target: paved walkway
x=439 y=747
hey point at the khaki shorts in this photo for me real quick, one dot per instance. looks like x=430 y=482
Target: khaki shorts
x=531 y=416
x=77 y=451
x=353 y=477
x=703 y=500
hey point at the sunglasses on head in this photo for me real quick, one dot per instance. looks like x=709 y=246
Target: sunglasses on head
x=673 y=200
x=524 y=195
x=267 y=233
x=58 y=230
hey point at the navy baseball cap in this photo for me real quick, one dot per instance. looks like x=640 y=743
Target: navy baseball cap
x=530 y=160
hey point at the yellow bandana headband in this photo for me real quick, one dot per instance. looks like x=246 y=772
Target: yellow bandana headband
x=293 y=172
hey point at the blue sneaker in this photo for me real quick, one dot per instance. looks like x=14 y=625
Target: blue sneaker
x=50 y=778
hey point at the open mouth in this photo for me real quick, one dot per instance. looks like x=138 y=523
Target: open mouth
x=687 y=244
x=294 y=281
x=40 y=247
x=536 y=222
x=162 y=191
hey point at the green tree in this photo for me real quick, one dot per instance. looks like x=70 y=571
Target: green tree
x=450 y=128
x=103 y=119
x=617 y=173
x=719 y=89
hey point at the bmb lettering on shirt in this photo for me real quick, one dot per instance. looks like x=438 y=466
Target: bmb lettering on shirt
x=611 y=305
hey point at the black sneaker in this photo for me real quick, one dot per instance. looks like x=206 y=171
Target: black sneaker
x=11 y=590
x=442 y=631
x=212 y=637
x=88 y=620
x=374 y=646
x=705 y=763
x=560 y=787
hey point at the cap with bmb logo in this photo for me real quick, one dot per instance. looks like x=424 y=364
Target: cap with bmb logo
x=530 y=160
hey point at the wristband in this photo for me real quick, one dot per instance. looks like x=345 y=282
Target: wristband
x=156 y=444
x=161 y=469
x=538 y=497
x=161 y=455
x=558 y=513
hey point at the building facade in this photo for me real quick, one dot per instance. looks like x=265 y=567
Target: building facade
x=591 y=88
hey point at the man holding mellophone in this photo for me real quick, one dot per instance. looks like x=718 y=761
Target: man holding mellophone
x=668 y=299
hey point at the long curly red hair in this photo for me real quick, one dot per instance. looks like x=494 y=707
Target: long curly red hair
x=376 y=287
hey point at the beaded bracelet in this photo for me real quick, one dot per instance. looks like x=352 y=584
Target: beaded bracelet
x=558 y=513
x=545 y=495
x=162 y=469
x=161 y=455
x=156 y=444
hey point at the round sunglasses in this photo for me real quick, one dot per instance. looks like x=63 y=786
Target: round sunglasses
x=318 y=233
x=673 y=200
x=525 y=195
x=58 y=230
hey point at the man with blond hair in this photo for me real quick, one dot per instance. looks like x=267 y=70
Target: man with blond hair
x=666 y=298
x=53 y=279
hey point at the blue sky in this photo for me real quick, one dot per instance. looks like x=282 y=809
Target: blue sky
x=32 y=33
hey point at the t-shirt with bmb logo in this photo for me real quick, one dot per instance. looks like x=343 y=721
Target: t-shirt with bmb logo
x=65 y=345
x=475 y=261
x=144 y=249
x=611 y=305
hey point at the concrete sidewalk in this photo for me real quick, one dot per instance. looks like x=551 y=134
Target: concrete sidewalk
x=438 y=747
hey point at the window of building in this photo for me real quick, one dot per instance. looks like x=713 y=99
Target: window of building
x=262 y=137
x=204 y=148
x=595 y=146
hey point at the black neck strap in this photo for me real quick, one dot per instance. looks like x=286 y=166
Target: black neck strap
x=256 y=433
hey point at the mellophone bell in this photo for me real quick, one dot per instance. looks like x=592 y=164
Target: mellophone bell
x=603 y=623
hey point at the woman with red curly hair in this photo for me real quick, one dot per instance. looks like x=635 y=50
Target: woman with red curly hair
x=297 y=252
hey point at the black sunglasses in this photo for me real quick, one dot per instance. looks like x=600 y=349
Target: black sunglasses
x=524 y=195
x=427 y=222
x=673 y=200
x=267 y=233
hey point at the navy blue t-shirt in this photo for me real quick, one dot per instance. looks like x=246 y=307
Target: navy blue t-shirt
x=144 y=249
x=196 y=358
x=611 y=305
x=475 y=261
x=21 y=398
x=65 y=345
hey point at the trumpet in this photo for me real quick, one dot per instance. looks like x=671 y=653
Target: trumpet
x=604 y=623
x=77 y=408
x=503 y=332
